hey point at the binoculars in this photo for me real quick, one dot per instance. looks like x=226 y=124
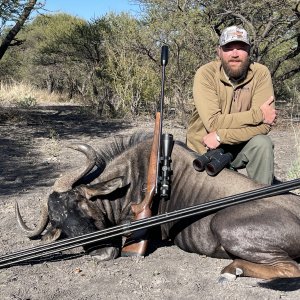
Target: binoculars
x=213 y=161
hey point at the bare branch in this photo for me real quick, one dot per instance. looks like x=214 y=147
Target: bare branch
x=289 y=55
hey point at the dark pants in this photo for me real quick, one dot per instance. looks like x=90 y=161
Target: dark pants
x=256 y=155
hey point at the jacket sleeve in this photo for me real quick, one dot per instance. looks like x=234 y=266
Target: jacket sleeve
x=207 y=102
x=236 y=136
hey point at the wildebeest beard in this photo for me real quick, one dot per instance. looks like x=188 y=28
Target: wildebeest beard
x=236 y=76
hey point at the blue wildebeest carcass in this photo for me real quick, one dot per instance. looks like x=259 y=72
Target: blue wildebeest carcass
x=262 y=236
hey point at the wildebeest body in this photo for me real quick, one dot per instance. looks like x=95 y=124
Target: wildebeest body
x=264 y=234
x=243 y=230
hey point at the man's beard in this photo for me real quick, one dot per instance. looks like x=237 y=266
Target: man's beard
x=236 y=75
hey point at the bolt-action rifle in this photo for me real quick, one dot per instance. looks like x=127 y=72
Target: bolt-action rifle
x=158 y=178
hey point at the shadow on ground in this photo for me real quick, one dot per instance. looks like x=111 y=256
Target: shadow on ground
x=282 y=284
x=21 y=163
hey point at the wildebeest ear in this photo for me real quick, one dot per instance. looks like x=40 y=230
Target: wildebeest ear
x=101 y=188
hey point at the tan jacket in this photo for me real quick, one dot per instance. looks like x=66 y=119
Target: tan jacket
x=234 y=112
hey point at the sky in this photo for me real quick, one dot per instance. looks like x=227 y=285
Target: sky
x=89 y=9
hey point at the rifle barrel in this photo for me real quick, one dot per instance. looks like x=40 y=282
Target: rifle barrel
x=164 y=61
x=209 y=207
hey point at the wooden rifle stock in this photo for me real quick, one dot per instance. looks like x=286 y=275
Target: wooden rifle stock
x=136 y=244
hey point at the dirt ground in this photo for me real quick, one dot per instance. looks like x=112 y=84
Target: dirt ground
x=33 y=155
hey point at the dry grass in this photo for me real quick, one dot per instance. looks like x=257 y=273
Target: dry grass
x=25 y=95
x=15 y=96
x=294 y=171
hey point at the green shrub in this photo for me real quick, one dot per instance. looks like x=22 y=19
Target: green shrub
x=27 y=102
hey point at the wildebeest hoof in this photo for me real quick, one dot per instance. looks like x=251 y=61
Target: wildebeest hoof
x=106 y=253
x=238 y=272
x=226 y=277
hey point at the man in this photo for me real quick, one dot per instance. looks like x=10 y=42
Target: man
x=234 y=107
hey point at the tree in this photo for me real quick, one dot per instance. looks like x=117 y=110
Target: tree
x=68 y=54
x=41 y=57
x=274 y=27
x=114 y=62
x=17 y=12
x=85 y=46
x=181 y=26
x=133 y=76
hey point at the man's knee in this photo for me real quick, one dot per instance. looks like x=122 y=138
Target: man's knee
x=262 y=143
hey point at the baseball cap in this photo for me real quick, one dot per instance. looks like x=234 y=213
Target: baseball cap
x=234 y=34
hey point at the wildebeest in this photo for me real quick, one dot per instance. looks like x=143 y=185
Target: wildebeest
x=262 y=236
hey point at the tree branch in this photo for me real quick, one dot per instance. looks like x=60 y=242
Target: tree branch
x=17 y=27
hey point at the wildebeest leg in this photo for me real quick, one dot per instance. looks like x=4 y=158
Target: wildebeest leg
x=240 y=267
x=99 y=251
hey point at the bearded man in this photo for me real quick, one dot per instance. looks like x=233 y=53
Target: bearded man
x=234 y=107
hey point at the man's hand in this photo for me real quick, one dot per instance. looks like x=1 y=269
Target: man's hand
x=210 y=140
x=269 y=112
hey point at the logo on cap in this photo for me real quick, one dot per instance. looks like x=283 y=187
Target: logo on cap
x=233 y=34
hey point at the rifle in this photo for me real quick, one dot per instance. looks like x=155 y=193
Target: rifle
x=131 y=227
x=158 y=174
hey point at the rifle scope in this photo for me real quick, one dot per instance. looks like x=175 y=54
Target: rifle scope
x=166 y=147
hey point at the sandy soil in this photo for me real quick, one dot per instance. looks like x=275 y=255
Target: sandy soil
x=33 y=156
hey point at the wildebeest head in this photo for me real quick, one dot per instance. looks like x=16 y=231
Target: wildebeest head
x=88 y=198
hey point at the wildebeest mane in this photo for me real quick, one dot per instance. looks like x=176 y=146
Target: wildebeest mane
x=120 y=144
x=184 y=145
x=112 y=150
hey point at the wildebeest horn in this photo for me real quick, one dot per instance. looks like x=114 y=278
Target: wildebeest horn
x=65 y=183
x=44 y=219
